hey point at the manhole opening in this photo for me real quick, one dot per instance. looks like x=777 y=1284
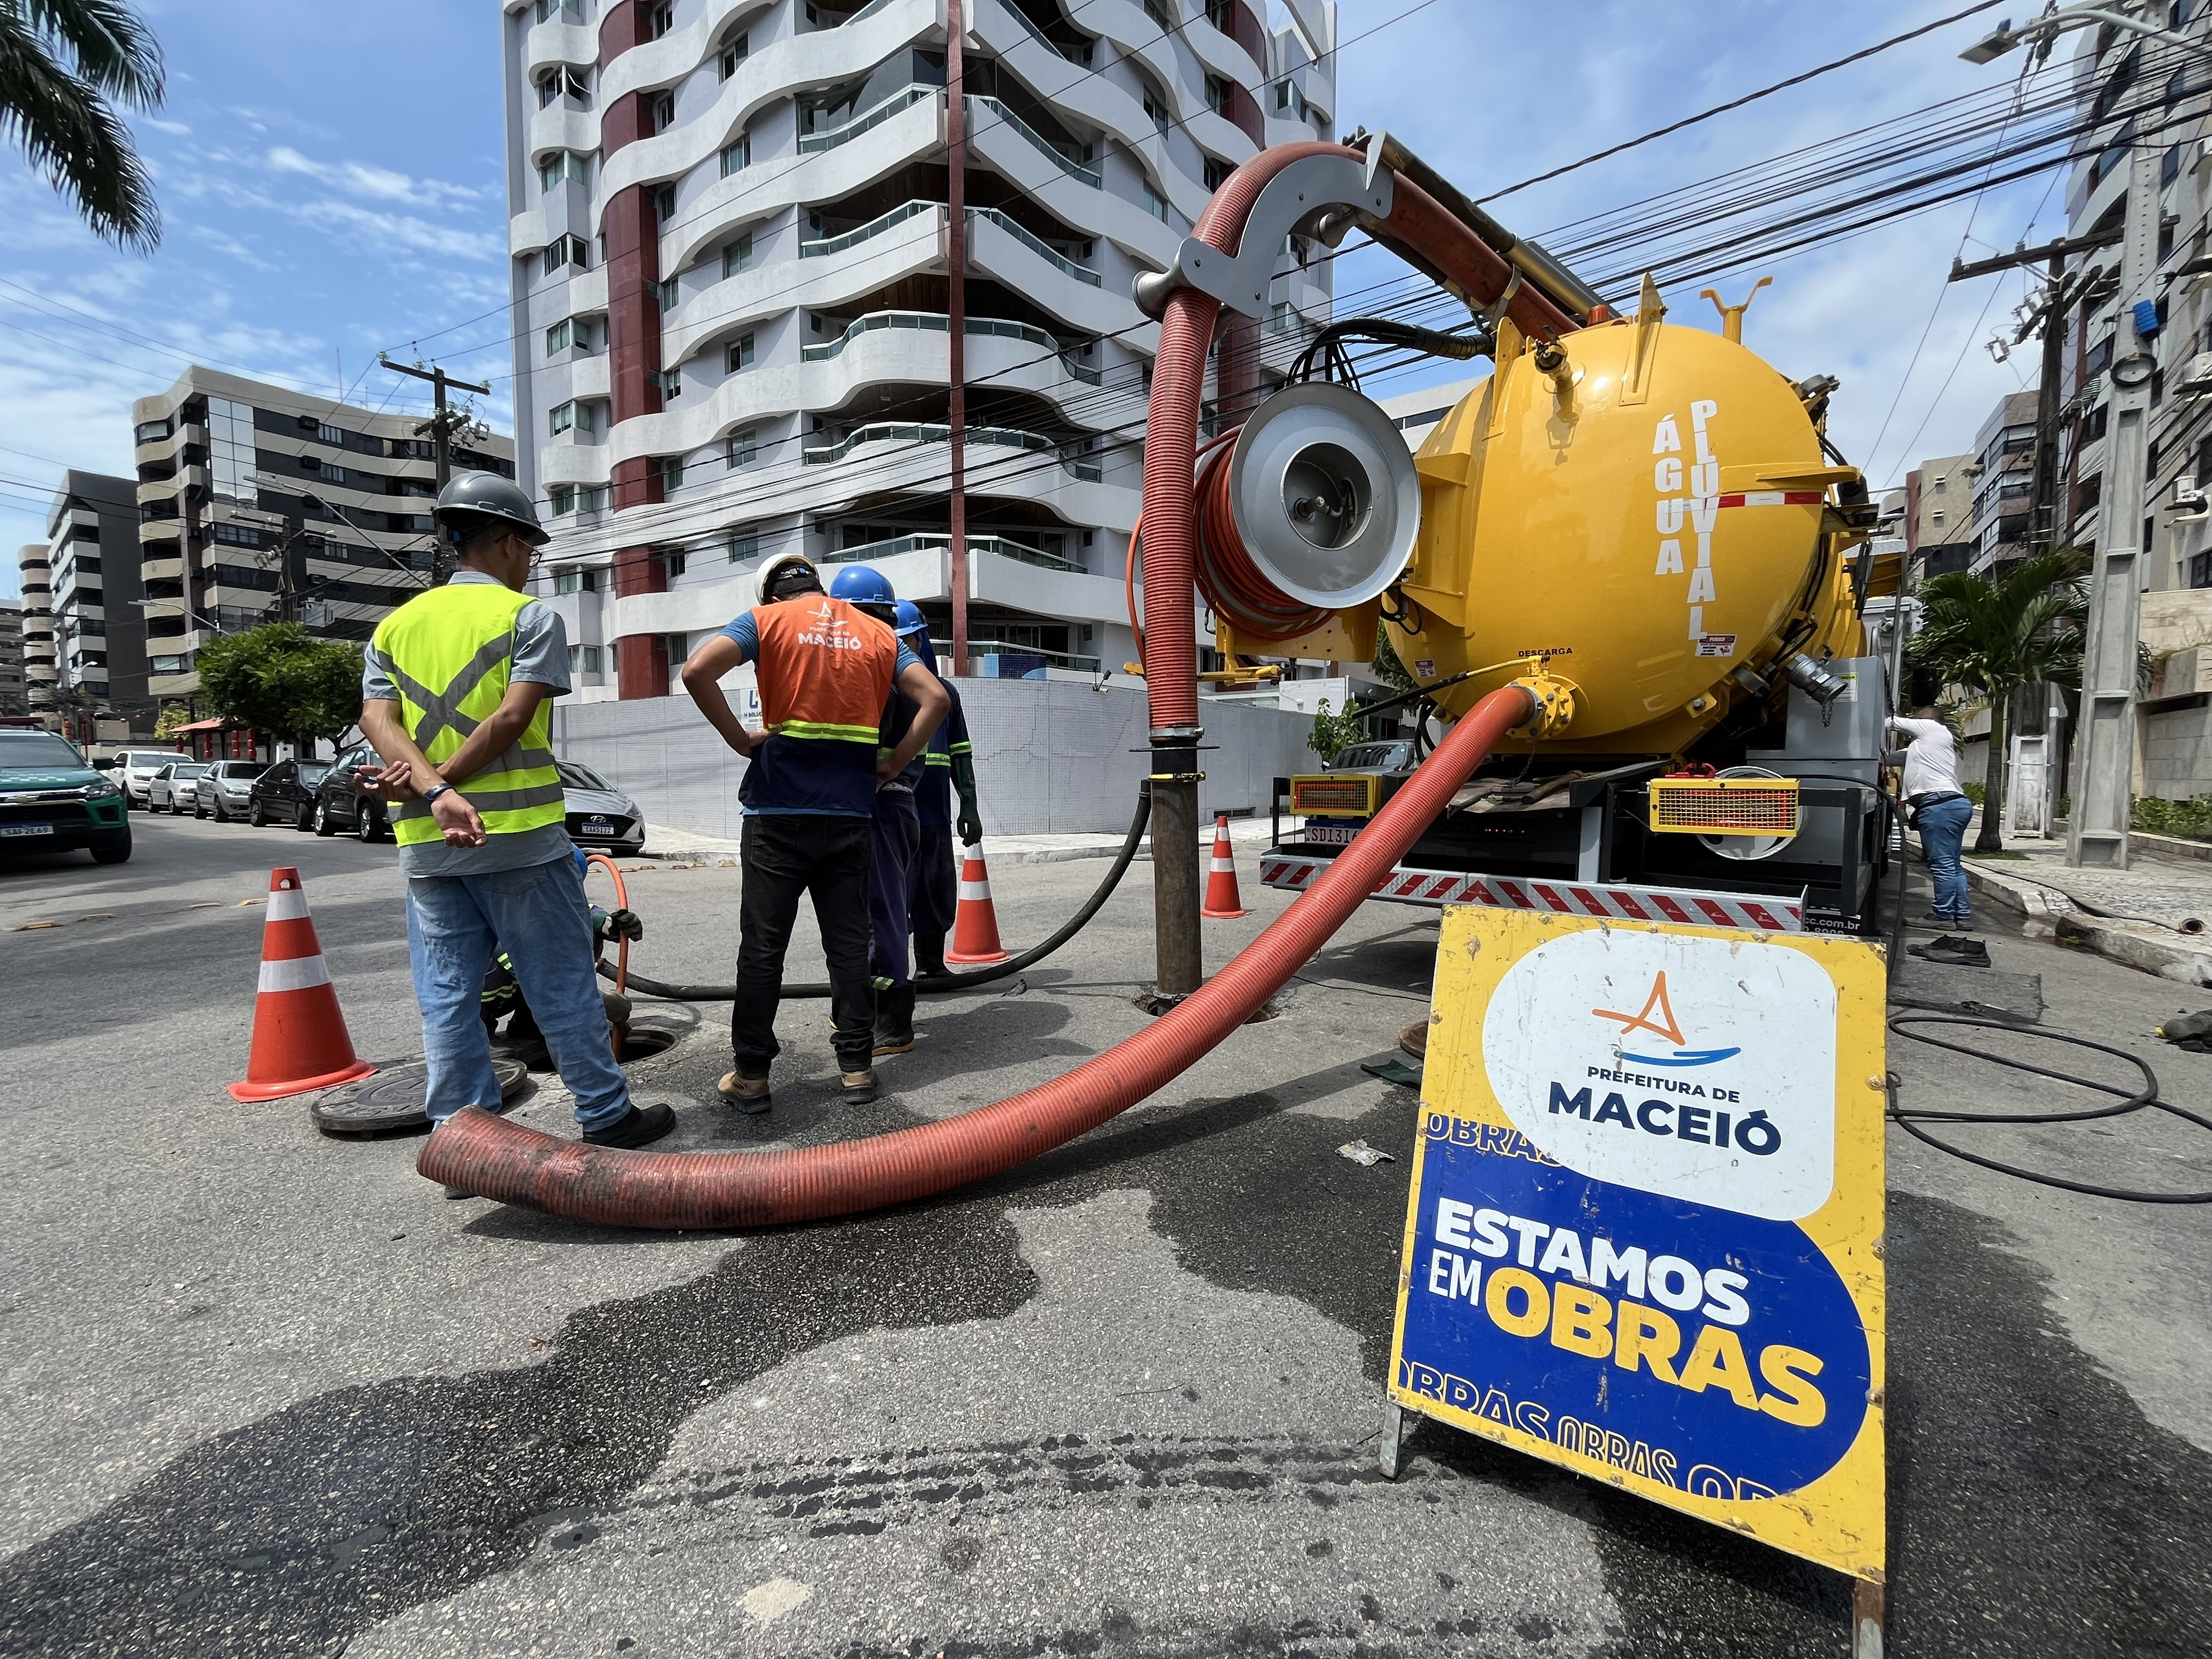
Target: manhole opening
x=641 y=1041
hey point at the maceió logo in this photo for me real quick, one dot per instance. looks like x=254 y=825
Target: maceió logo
x=1665 y=1025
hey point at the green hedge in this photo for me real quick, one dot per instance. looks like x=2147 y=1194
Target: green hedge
x=2191 y=817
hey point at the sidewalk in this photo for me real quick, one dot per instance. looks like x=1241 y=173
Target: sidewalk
x=665 y=842
x=2153 y=916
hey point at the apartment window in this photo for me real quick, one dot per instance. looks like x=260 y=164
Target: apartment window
x=1156 y=107
x=733 y=54
x=1288 y=97
x=559 y=339
x=744 y=544
x=669 y=382
x=663 y=293
x=2095 y=423
x=671 y=562
x=563 y=251
x=669 y=469
x=560 y=499
x=661 y=112
x=1217 y=93
x=583 y=659
x=1216 y=172
x=741 y=354
x=562 y=417
x=658 y=20
x=237 y=535
x=549 y=86
x=743 y=447
x=2200 y=570
x=152 y=431
x=737 y=156
x=664 y=203
x=739 y=255
x=2099 y=358
x=1154 y=205
x=560 y=167
x=570 y=11
x=1157 y=12
x=591 y=498
x=1219 y=13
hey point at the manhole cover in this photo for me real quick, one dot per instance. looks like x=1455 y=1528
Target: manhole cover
x=393 y=1099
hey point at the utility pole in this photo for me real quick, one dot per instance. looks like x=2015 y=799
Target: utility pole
x=2104 y=739
x=956 y=269
x=439 y=426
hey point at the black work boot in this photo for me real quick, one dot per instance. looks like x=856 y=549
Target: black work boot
x=929 y=957
x=640 y=1127
x=895 y=1020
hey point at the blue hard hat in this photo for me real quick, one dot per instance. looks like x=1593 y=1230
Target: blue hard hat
x=860 y=584
x=910 y=619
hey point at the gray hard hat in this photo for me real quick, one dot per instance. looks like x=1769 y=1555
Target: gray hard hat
x=471 y=498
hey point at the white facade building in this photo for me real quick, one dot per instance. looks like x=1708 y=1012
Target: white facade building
x=730 y=236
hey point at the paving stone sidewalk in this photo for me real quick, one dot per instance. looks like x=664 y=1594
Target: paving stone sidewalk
x=2153 y=915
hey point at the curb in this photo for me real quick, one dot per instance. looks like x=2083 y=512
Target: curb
x=2041 y=913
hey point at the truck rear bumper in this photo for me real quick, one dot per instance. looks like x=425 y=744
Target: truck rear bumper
x=1614 y=901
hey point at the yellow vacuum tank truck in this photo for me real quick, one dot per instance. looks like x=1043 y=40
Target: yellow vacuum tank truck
x=1645 y=514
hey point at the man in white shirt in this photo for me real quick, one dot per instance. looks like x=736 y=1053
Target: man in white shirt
x=1939 y=810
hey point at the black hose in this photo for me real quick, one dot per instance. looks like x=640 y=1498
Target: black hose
x=942 y=984
x=1909 y=1118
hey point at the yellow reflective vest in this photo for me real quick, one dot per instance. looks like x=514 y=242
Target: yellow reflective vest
x=450 y=652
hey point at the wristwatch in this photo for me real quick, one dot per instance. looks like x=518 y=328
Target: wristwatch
x=436 y=790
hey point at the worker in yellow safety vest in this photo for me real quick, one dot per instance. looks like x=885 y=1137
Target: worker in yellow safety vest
x=456 y=697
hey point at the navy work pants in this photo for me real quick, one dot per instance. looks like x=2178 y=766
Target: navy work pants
x=896 y=832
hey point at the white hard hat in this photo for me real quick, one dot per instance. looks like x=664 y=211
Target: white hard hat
x=776 y=564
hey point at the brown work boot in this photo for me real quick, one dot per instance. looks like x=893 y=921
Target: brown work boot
x=857 y=1088
x=1414 y=1040
x=750 y=1094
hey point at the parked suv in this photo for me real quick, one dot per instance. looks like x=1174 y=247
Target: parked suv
x=133 y=770
x=339 y=805
x=598 y=814
x=223 y=788
x=285 y=793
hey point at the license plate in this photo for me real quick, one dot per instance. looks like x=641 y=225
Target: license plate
x=27 y=829
x=599 y=826
x=1328 y=834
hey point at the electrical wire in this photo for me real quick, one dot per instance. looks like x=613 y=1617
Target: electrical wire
x=1909 y=1118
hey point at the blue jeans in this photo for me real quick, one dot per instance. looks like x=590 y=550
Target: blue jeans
x=1942 y=835
x=537 y=916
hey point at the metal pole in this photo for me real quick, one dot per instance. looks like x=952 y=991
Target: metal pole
x=2103 y=762
x=956 y=267
x=2042 y=508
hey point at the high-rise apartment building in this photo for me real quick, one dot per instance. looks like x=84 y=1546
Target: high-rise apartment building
x=256 y=500
x=12 y=700
x=2004 y=484
x=35 y=572
x=99 y=631
x=1938 y=521
x=732 y=294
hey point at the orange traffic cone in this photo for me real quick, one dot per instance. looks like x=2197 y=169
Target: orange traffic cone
x=300 y=1040
x=1222 y=902
x=975 y=923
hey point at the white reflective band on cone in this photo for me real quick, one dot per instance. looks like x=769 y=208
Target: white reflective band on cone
x=1221 y=865
x=288 y=904
x=294 y=973
x=975 y=889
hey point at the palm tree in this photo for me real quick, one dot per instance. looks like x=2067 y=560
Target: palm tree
x=63 y=66
x=1993 y=635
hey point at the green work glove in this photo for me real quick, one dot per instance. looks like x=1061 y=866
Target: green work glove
x=970 y=822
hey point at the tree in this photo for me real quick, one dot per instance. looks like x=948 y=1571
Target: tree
x=1995 y=636
x=279 y=678
x=62 y=62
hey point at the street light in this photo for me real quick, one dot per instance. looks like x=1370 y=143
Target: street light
x=2044 y=30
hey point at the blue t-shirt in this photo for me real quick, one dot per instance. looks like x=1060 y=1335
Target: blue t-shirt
x=785 y=755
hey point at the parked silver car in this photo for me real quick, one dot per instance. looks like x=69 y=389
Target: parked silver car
x=598 y=814
x=172 y=788
x=223 y=789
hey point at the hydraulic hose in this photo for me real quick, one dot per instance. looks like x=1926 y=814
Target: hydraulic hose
x=498 y=1159
x=944 y=984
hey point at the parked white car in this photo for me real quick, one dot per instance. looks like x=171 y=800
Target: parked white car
x=135 y=767
x=171 y=789
x=223 y=788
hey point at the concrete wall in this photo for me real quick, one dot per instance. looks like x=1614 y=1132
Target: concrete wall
x=1051 y=757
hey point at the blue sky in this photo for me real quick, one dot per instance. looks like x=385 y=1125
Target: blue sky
x=330 y=183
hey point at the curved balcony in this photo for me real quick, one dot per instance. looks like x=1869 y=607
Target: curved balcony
x=575 y=464
x=1092 y=97
x=793 y=64
x=908 y=135
x=557 y=44
x=818 y=143
x=1075 y=294
x=979 y=437
x=562 y=125
x=1073 y=194
x=1221 y=54
x=938 y=322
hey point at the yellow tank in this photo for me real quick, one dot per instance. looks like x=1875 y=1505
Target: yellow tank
x=1644 y=506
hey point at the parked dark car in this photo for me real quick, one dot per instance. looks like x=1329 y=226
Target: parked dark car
x=285 y=793
x=339 y=805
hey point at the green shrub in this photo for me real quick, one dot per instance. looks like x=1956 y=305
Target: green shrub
x=2191 y=817
x=1973 y=791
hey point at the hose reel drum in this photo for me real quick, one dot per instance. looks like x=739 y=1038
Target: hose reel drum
x=1322 y=495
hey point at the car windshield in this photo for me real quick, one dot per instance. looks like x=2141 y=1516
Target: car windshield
x=146 y=763
x=42 y=749
x=581 y=777
x=196 y=770
x=311 y=771
x=1363 y=753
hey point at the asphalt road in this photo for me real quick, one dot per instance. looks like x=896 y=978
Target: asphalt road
x=265 y=1392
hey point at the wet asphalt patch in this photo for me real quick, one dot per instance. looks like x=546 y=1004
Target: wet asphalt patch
x=2033 y=1509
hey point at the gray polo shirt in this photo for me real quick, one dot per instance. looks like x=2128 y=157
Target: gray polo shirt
x=541 y=656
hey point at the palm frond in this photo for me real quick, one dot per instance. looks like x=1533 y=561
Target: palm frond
x=69 y=131
x=115 y=53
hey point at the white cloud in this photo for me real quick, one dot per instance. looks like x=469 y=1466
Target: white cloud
x=375 y=182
